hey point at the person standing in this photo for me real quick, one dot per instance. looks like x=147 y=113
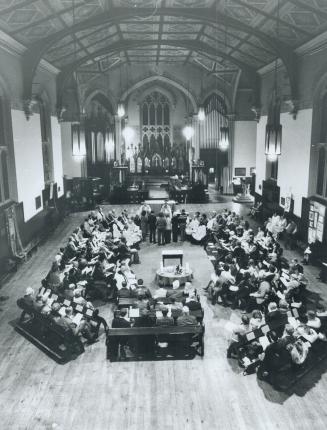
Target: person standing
x=161 y=227
x=166 y=209
x=168 y=229
x=144 y=225
x=175 y=225
x=152 y=220
x=290 y=232
x=182 y=224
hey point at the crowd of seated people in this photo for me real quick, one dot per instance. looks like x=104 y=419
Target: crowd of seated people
x=78 y=324
x=96 y=258
x=250 y=270
x=250 y=273
x=164 y=308
x=95 y=262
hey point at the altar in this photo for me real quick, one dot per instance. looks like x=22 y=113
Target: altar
x=175 y=254
x=167 y=274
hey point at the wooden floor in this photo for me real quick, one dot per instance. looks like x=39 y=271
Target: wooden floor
x=92 y=394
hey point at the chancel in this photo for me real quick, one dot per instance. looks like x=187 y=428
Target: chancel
x=163 y=194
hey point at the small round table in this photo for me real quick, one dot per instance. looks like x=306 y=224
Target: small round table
x=166 y=279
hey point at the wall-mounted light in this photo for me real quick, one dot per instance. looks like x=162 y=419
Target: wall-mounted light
x=188 y=132
x=273 y=143
x=201 y=114
x=128 y=134
x=78 y=140
x=121 y=110
x=224 y=138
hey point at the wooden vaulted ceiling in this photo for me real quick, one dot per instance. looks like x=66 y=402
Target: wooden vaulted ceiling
x=220 y=36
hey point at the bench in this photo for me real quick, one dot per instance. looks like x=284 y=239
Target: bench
x=179 y=338
x=58 y=342
x=131 y=302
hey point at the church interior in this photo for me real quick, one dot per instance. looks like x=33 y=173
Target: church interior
x=163 y=225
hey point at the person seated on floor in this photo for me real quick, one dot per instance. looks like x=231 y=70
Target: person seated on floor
x=78 y=297
x=186 y=319
x=313 y=321
x=164 y=320
x=226 y=275
x=125 y=252
x=237 y=334
x=256 y=320
x=191 y=227
x=69 y=292
x=54 y=278
x=198 y=236
x=259 y=296
x=241 y=296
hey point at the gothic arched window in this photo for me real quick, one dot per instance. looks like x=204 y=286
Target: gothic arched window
x=155 y=122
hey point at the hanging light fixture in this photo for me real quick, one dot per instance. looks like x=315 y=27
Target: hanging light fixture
x=188 y=132
x=77 y=127
x=273 y=141
x=224 y=130
x=224 y=138
x=120 y=107
x=128 y=134
x=201 y=114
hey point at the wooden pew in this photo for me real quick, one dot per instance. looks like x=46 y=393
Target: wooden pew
x=179 y=335
x=60 y=343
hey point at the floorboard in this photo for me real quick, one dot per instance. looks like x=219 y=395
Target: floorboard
x=92 y=393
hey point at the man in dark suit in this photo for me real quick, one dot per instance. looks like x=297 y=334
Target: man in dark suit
x=276 y=319
x=152 y=221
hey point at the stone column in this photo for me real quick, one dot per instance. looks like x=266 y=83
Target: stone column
x=196 y=137
x=231 y=125
x=118 y=138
